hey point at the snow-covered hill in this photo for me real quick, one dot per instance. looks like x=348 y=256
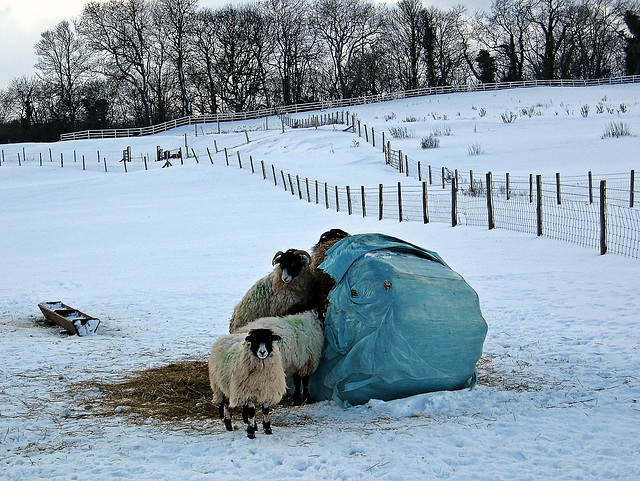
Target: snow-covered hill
x=162 y=256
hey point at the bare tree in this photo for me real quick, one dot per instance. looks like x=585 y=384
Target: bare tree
x=64 y=63
x=444 y=47
x=24 y=93
x=121 y=32
x=597 y=39
x=550 y=22
x=346 y=28
x=175 y=19
x=294 y=48
x=406 y=34
x=504 y=30
x=202 y=68
x=240 y=62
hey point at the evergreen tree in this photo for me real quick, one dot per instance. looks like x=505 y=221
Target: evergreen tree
x=486 y=66
x=633 y=43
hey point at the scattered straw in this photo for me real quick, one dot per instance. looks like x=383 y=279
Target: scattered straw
x=177 y=391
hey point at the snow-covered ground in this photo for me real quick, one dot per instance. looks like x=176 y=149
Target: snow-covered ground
x=162 y=256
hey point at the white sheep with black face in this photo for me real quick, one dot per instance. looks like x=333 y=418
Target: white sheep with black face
x=287 y=289
x=246 y=370
x=302 y=338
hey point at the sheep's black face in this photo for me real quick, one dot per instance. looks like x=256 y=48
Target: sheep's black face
x=333 y=235
x=261 y=342
x=292 y=263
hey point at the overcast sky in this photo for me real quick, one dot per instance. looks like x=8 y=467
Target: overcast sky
x=22 y=22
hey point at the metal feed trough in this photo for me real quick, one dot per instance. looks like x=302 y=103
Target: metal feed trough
x=71 y=319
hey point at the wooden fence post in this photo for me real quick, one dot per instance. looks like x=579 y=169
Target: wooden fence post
x=380 y=203
x=337 y=200
x=590 y=187
x=430 y=175
x=558 y=196
x=603 y=217
x=425 y=204
x=317 y=197
x=530 y=188
x=508 y=186
x=443 y=182
x=632 y=188
x=399 y=202
x=419 y=171
x=454 y=201
x=253 y=171
x=293 y=192
x=364 y=202
x=239 y=161
x=264 y=172
x=490 y=217
x=299 y=189
x=61 y=160
x=84 y=165
x=226 y=156
x=306 y=179
x=539 y=204
x=326 y=195
x=275 y=178
x=349 y=206
x=146 y=167
x=373 y=137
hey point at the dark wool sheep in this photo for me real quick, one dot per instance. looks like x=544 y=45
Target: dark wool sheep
x=324 y=282
x=288 y=289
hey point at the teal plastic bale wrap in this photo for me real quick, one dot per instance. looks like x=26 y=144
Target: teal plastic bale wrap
x=400 y=322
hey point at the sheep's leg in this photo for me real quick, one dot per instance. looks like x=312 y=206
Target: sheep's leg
x=266 y=421
x=225 y=414
x=251 y=420
x=306 y=397
x=297 y=393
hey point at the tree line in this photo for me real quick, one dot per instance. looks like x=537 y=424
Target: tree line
x=125 y=63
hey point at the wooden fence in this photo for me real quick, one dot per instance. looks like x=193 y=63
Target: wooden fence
x=338 y=103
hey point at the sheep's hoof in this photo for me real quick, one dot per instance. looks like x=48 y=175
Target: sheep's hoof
x=268 y=430
x=251 y=435
x=227 y=424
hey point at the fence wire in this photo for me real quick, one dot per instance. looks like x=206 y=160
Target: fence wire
x=571 y=206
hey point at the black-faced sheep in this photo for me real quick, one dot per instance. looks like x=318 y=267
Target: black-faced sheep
x=301 y=348
x=323 y=282
x=246 y=370
x=287 y=289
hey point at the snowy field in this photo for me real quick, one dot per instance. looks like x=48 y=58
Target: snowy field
x=162 y=256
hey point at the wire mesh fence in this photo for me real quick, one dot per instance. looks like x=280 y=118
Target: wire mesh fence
x=575 y=212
